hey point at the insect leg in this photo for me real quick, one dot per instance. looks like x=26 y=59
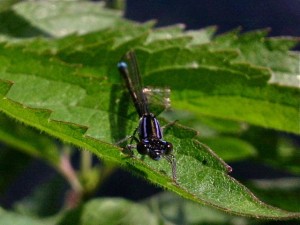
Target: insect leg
x=128 y=148
x=171 y=159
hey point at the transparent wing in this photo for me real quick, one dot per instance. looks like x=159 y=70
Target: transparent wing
x=158 y=99
x=129 y=70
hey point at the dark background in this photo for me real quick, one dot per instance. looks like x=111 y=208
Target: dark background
x=282 y=16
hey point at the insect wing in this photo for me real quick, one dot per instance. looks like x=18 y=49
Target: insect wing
x=129 y=70
x=158 y=99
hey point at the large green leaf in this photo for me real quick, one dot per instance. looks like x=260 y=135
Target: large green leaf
x=56 y=98
x=213 y=84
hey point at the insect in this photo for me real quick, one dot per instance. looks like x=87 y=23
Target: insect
x=150 y=137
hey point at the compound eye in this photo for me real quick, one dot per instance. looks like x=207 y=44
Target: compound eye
x=169 y=148
x=142 y=148
x=154 y=155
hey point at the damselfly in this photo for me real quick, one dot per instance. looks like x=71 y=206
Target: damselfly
x=150 y=137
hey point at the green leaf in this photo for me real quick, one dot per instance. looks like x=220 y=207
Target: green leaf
x=11 y=218
x=229 y=148
x=207 y=126
x=109 y=211
x=263 y=103
x=65 y=17
x=215 y=86
x=238 y=83
x=77 y=102
x=273 y=53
